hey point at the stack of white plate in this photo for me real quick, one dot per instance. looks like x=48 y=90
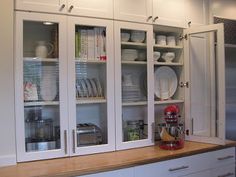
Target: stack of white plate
x=48 y=84
x=129 y=54
x=131 y=93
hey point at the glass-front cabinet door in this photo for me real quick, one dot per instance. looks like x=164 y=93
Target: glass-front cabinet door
x=41 y=87
x=205 y=97
x=133 y=85
x=91 y=85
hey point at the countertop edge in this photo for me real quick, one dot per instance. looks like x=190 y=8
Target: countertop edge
x=142 y=162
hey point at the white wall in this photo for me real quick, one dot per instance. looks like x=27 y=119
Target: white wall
x=7 y=122
x=224 y=8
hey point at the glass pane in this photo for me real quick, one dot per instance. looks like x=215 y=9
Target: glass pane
x=90 y=70
x=41 y=86
x=203 y=85
x=134 y=84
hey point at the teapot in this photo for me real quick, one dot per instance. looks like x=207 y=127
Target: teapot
x=43 y=49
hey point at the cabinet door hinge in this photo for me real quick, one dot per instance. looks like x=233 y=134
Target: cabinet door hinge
x=183 y=37
x=184 y=84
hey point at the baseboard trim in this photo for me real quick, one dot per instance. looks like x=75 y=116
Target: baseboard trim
x=7 y=160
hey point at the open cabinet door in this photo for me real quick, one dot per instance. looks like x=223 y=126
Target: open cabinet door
x=205 y=86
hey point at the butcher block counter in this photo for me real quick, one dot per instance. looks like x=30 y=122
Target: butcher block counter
x=81 y=165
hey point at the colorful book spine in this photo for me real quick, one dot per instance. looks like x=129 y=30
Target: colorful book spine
x=103 y=44
x=97 y=43
x=91 y=44
x=84 y=44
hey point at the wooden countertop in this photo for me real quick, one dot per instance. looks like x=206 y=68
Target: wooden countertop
x=81 y=165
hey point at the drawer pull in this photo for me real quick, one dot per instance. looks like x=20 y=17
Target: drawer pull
x=226 y=157
x=65 y=140
x=73 y=137
x=226 y=175
x=178 y=168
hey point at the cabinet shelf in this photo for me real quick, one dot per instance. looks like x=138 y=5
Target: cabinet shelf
x=168 y=63
x=168 y=102
x=134 y=62
x=135 y=103
x=167 y=47
x=41 y=103
x=134 y=44
x=77 y=60
x=95 y=100
x=36 y=59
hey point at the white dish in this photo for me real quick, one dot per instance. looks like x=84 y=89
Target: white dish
x=165 y=82
x=99 y=87
x=94 y=88
x=137 y=36
x=89 y=87
x=125 y=36
x=168 y=56
x=129 y=54
x=171 y=41
x=161 y=39
x=84 y=88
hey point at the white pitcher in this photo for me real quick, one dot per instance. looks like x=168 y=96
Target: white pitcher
x=43 y=49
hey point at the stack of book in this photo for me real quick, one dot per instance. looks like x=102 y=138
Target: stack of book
x=90 y=44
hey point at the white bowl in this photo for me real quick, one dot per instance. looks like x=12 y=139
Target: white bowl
x=171 y=41
x=161 y=40
x=125 y=37
x=137 y=36
x=141 y=56
x=168 y=56
x=156 y=55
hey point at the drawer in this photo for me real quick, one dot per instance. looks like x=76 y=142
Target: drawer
x=127 y=172
x=222 y=157
x=174 y=168
x=226 y=171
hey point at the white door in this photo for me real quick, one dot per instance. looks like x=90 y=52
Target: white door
x=91 y=85
x=196 y=12
x=41 y=86
x=52 y=6
x=133 y=10
x=169 y=13
x=134 y=85
x=205 y=97
x=91 y=8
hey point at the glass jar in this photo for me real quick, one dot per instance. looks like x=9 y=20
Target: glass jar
x=134 y=130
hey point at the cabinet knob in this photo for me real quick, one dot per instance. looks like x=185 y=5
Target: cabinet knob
x=150 y=17
x=71 y=7
x=62 y=7
x=155 y=18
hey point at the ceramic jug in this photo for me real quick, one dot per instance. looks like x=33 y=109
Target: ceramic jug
x=43 y=49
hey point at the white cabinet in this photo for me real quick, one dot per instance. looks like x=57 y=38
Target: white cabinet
x=128 y=172
x=169 y=13
x=192 y=166
x=133 y=85
x=91 y=85
x=48 y=76
x=91 y=8
x=41 y=86
x=133 y=10
x=196 y=12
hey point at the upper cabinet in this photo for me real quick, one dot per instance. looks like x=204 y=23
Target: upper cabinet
x=133 y=10
x=88 y=8
x=169 y=13
x=196 y=12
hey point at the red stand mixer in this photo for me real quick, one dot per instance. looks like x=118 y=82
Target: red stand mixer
x=171 y=132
